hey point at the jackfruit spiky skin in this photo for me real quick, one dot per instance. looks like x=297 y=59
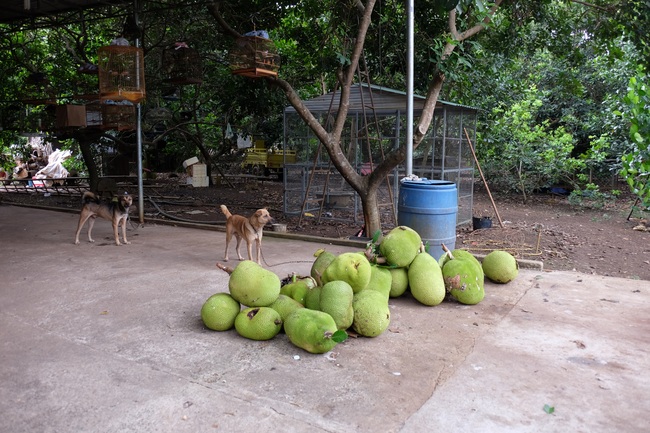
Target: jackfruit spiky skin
x=353 y=268
x=311 y=330
x=500 y=266
x=463 y=281
x=323 y=260
x=285 y=305
x=258 y=323
x=399 y=281
x=298 y=289
x=312 y=298
x=371 y=313
x=381 y=280
x=252 y=285
x=400 y=246
x=425 y=280
x=219 y=311
x=336 y=300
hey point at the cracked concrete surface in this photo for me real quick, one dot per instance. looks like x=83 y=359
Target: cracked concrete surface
x=102 y=338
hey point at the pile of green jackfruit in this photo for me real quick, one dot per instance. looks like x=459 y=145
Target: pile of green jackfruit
x=349 y=291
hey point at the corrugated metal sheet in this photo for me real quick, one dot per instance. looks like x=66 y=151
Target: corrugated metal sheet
x=377 y=98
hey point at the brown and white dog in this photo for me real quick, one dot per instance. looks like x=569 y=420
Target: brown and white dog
x=115 y=212
x=250 y=229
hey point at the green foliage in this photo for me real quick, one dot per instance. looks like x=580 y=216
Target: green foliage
x=523 y=154
x=592 y=197
x=636 y=163
x=75 y=163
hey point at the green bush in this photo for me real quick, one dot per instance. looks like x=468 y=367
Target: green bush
x=636 y=162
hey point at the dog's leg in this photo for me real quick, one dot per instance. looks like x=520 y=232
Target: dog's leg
x=228 y=238
x=116 y=223
x=82 y=220
x=249 y=248
x=124 y=231
x=258 y=246
x=91 y=223
x=238 y=237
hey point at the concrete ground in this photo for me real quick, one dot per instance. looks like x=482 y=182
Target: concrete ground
x=100 y=338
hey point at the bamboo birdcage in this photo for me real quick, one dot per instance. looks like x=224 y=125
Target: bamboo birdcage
x=182 y=65
x=254 y=56
x=121 y=73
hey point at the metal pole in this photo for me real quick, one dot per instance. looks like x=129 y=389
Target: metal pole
x=409 y=87
x=138 y=131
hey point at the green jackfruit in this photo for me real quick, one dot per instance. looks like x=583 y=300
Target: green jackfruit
x=371 y=313
x=464 y=280
x=252 y=285
x=380 y=280
x=219 y=311
x=353 y=268
x=258 y=323
x=400 y=246
x=460 y=255
x=425 y=280
x=500 y=267
x=311 y=330
x=298 y=289
x=399 y=281
x=336 y=300
x=285 y=306
x=323 y=260
x=312 y=298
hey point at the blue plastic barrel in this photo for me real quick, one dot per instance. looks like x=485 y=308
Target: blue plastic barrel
x=429 y=207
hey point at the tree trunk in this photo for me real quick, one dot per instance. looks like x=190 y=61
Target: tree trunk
x=371 y=215
x=85 y=145
x=368 y=186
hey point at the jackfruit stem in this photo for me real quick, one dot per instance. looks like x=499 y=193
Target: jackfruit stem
x=372 y=257
x=446 y=250
x=225 y=268
x=318 y=278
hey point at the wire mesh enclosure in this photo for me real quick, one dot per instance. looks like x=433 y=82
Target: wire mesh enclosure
x=121 y=73
x=254 y=56
x=376 y=124
x=181 y=65
x=119 y=117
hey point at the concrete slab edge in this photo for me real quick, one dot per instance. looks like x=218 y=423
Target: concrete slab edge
x=535 y=265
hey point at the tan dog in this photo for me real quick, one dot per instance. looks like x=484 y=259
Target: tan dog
x=115 y=212
x=250 y=229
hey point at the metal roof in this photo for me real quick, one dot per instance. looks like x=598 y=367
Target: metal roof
x=16 y=10
x=372 y=97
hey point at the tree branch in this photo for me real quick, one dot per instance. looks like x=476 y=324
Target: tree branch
x=477 y=28
x=214 y=9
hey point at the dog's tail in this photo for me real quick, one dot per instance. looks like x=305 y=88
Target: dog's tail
x=225 y=211
x=88 y=197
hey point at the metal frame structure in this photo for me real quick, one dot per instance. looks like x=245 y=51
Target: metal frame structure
x=444 y=153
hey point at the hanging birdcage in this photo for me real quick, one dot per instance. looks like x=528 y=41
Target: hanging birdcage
x=119 y=117
x=121 y=73
x=37 y=90
x=254 y=56
x=182 y=65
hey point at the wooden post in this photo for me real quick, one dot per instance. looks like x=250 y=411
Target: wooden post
x=483 y=177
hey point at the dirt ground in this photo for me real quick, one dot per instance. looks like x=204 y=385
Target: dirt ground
x=546 y=228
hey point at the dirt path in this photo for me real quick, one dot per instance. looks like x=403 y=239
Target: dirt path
x=547 y=228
